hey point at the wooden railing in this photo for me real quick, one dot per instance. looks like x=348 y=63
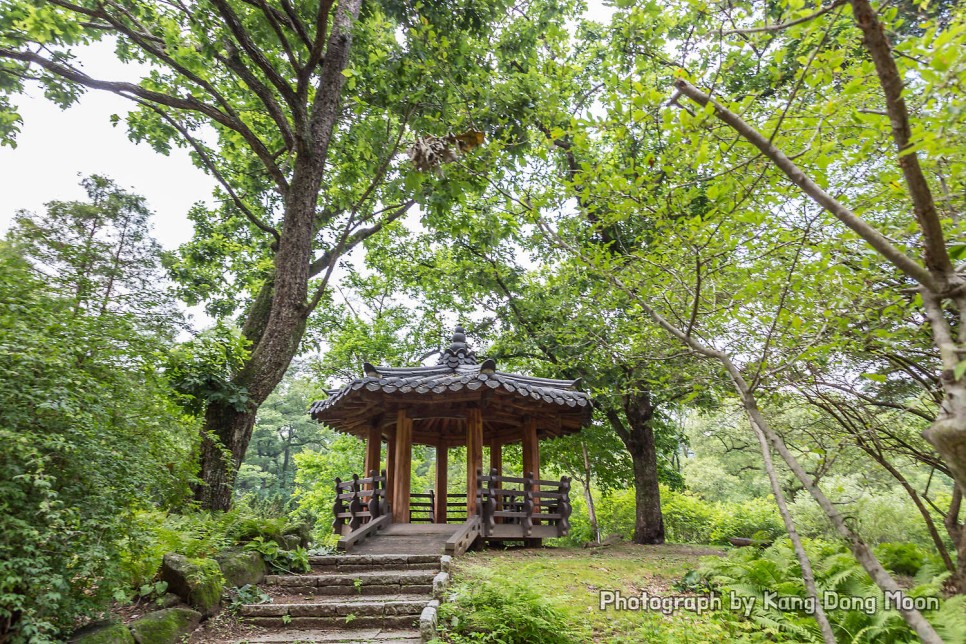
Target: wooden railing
x=422 y=507
x=456 y=510
x=464 y=538
x=540 y=508
x=359 y=501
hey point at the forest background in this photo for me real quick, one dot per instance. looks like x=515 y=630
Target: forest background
x=739 y=224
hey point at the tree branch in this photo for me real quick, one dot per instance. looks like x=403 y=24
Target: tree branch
x=346 y=243
x=130 y=90
x=875 y=239
x=876 y=43
x=784 y=25
x=255 y=54
x=209 y=163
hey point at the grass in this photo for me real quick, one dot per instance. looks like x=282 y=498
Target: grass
x=571 y=579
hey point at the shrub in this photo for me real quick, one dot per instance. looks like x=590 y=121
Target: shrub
x=616 y=513
x=502 y=612
x=687 y=518
x=89 y=436
x=279 y=559
x=878 y=515
x=756 y=518
x=901 y=558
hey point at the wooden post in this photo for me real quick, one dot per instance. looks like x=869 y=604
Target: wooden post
x=391 y=467
x=442 y=464
x=496 y=466
x=474 y=456
x=531 y=448
x=496 y=457
x=531 y=466
x=404 y=471
x=373 y=452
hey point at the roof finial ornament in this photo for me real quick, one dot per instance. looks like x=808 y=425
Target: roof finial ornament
x=458 y=352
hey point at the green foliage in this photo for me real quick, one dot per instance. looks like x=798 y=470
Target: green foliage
x=751 y=572
x=89 y=428
x=279 y=559
x=693 y=582
x=881 y=512
x=316 y=474
x=247 y=594
x=691 y=519
x=201 y=369
x=282 y=430
x=491 y=610
x=901 y=558
x=756 y=518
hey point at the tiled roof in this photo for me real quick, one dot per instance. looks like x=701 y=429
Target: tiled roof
x=457 y=370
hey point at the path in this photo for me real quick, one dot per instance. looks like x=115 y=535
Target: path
x=374 y=594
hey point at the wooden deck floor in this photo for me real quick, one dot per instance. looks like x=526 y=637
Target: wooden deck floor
x=409 y=539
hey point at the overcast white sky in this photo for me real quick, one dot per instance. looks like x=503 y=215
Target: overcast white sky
x=55 y=148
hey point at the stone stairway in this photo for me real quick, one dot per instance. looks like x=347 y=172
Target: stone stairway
x=350 y=598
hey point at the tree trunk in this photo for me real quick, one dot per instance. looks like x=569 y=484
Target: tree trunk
x=224 y=442
x=808 y=577
x=648 y=522
x=279 y=313
x=957 y=534
x=589 y=497
x=286 y=457
x=638 y=438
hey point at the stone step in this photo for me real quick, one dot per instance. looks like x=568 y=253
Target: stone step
x=341 y=607
x=378 y=622
x=356 y=636
x=358 y=583
x=359 y=563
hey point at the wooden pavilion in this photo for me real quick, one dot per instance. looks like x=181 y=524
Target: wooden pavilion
x=457 y=402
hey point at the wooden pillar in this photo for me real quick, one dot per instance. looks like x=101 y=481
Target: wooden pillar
x=496 y=456
x=496 y=463
x=373 y=451
x=474 y=455
x=391 y=467
x=531 y=447
x=442 y=463
x=531 y=462
x=402 y=479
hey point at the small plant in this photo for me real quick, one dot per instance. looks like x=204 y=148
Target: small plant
x=357 y=583
x=286 y=619
x=693 y=582
x=322 y=550
x=247 y=594
x=280 y=560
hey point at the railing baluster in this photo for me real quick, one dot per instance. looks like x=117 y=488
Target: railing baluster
x=564 y=508
x=355 y=505
x=338 y=508
x=528 y=505
x=374 y=499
